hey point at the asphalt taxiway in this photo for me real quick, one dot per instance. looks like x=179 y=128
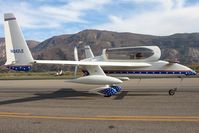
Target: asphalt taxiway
x=60 y=106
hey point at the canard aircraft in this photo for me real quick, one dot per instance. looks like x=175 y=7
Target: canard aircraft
x=110 y=69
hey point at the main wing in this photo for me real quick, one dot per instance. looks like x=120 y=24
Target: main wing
x=18 y=53
x=93 y=63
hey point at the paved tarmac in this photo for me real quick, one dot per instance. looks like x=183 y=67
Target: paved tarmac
x=58 y=106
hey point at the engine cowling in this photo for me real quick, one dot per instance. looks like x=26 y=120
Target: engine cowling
x=117 y=88
x=110 y=91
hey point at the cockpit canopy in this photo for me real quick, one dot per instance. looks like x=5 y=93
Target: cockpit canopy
x=139 y=53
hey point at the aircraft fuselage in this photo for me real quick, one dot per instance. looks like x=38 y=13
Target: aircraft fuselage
x=158 y=68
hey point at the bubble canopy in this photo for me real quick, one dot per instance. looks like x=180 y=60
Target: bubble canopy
x=139 y=53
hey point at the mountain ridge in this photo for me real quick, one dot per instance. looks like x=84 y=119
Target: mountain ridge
x=181 y=46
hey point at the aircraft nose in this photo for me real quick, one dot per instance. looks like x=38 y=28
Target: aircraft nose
x=192 y=72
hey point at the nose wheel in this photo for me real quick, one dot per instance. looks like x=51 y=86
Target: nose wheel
x=172 y=91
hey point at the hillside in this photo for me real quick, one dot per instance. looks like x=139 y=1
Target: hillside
x=183 y=47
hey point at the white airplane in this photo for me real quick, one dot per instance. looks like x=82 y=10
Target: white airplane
x=109 y=69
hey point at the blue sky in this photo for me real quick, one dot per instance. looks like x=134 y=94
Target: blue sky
x=41 y=19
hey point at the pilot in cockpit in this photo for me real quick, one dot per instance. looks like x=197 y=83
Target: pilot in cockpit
x=139 y=56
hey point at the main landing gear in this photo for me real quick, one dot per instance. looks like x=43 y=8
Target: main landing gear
x=172 y=91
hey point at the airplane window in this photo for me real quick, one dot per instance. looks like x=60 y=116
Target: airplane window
x=128 y=53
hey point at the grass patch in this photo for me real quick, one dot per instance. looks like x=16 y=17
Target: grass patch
x=195 y=68
x=36 y=75
x=14 y=75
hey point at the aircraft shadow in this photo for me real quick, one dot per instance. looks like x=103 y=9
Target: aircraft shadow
x=121 y=95
x=71 y=94
x=64 y=93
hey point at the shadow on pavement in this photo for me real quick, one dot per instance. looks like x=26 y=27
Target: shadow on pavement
x=71 y=94
x=66 y=93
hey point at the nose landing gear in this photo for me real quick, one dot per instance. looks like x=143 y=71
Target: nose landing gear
x=172 y=91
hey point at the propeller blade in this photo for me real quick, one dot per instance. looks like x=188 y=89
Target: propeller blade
x=76 y=54
x=76 y=59
x=76 y=69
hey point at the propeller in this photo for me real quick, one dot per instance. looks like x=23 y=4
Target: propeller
x=76 y=54
x=76 y=59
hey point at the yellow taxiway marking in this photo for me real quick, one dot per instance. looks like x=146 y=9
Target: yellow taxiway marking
x=13 y=113
x=104 y=118
x=155 y=117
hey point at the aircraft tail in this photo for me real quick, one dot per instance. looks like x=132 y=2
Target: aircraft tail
x=92 y=70
x=88 y=52
x=17 y=52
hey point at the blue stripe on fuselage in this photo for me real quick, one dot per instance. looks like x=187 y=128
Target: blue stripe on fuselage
x=151 y=72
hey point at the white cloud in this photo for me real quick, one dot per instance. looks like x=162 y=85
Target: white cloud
x=74 y=10
x=157 y=17
x=163 y=4
x=37 y=17
x=27 y=15
x=174 y=18
x=50 y=16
